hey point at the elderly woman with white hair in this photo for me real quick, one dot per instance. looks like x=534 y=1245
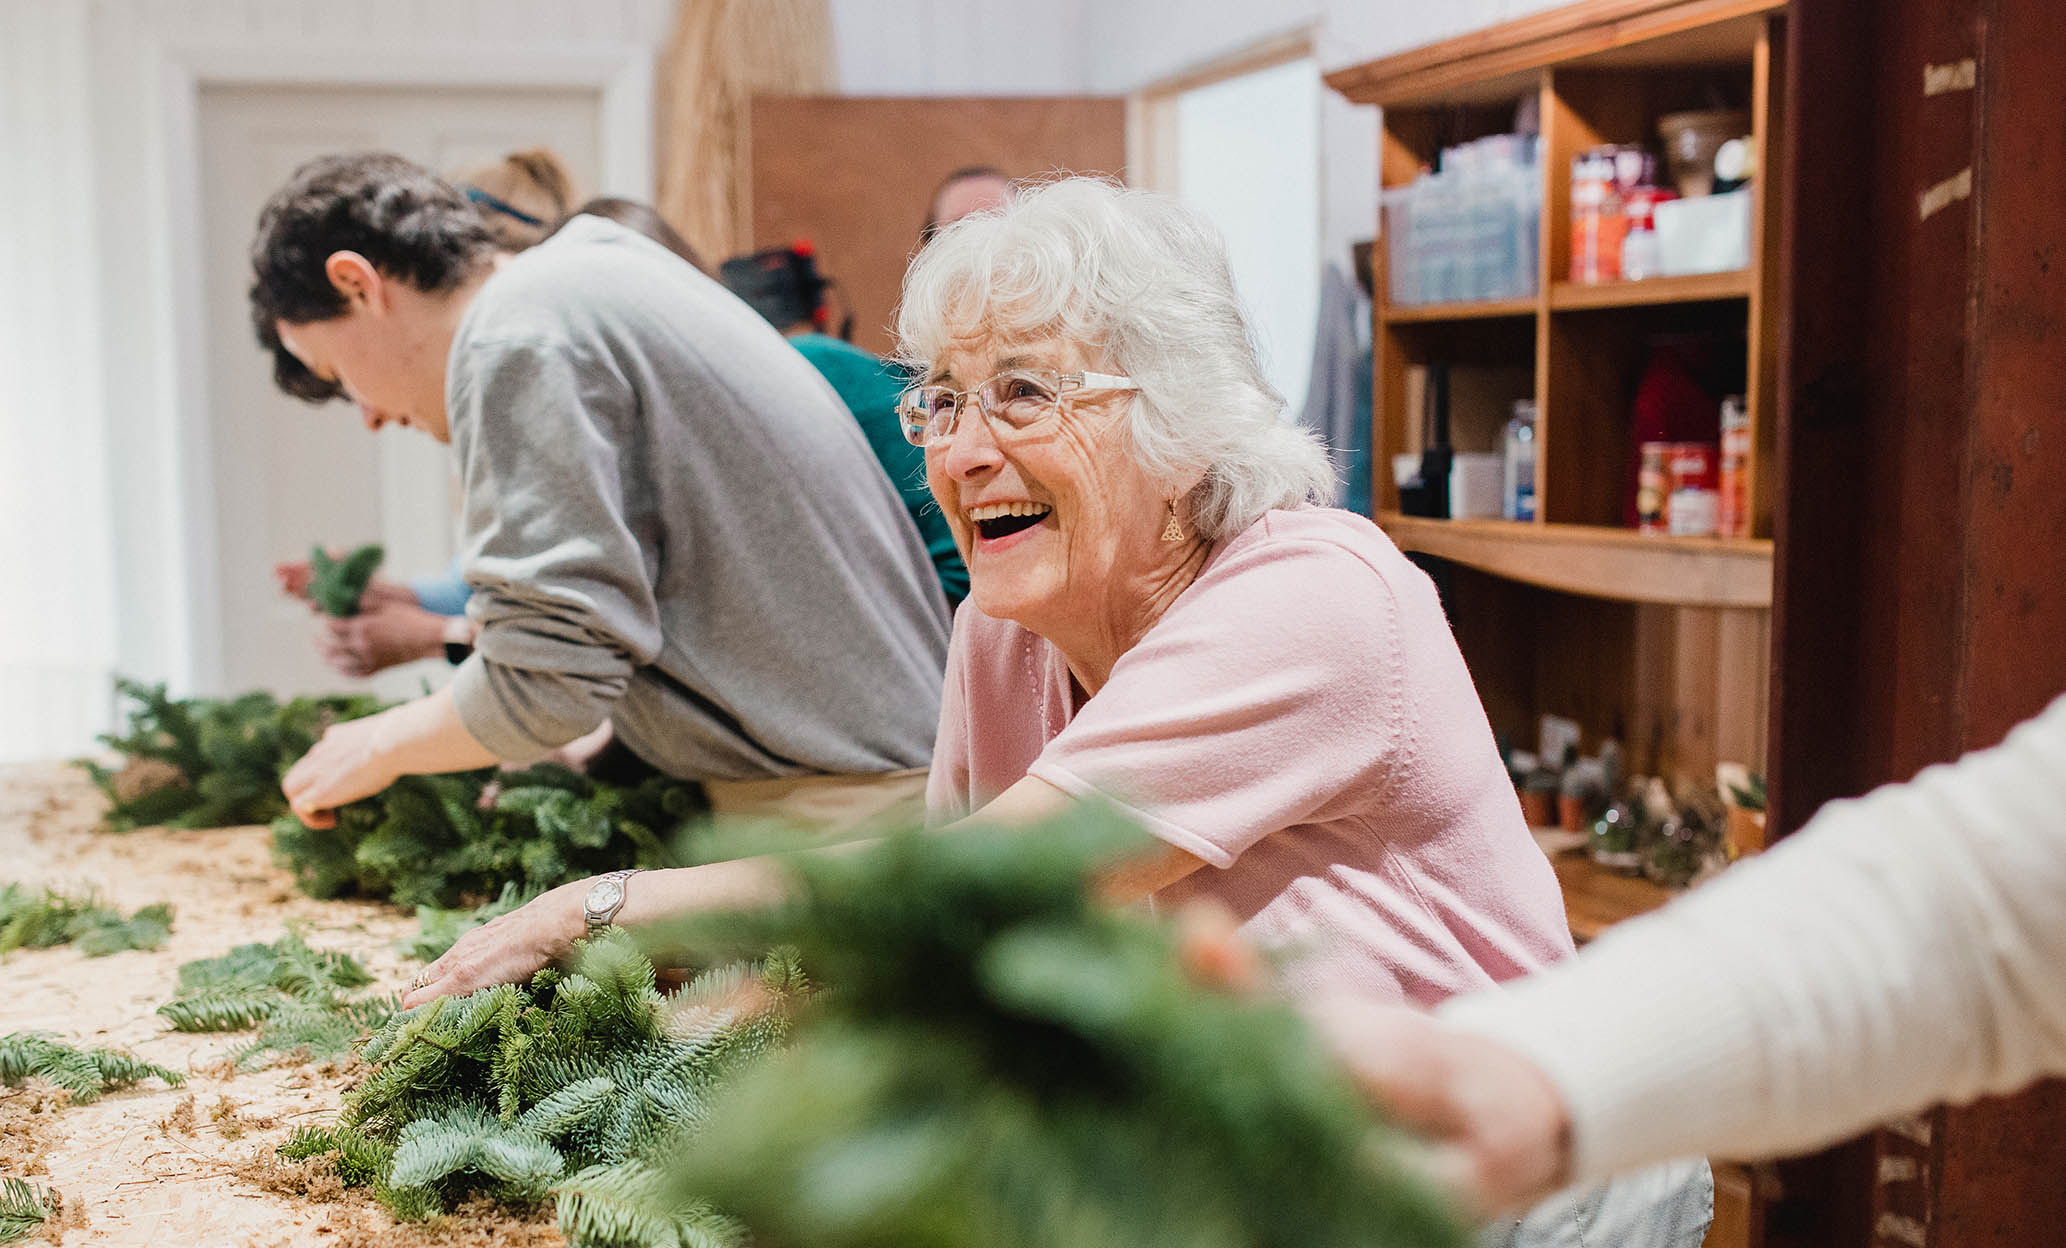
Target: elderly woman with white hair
x=1162 y=618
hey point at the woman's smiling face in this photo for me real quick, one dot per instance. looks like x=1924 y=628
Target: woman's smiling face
x=1053 y=520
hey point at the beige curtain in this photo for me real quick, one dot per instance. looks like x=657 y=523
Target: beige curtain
x=723 y=53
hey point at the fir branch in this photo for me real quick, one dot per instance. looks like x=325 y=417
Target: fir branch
x=337 y=585
x=41 y=918
x=85 y=1073
x=23 y=1208
x=1006 y=1061
x=296 y=997
x=204 y=763
x=436 y=841
x=578 y=1084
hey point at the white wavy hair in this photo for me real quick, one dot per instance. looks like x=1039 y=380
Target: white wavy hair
x=1143 y=282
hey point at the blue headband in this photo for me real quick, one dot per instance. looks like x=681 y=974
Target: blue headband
x=485 y=200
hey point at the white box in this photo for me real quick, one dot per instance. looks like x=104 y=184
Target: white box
x=1708 y=234
x=1477 y=486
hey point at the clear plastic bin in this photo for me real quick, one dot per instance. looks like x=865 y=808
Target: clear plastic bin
x=1472 y=232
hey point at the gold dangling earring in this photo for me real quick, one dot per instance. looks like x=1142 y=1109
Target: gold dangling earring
x=1172 y=532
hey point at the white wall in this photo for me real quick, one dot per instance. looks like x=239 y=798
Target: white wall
x=107 y=551
x=961 y=47
x=1132 y=43
x=57 y=636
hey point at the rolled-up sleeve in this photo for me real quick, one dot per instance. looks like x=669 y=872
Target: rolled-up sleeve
x=562 y=589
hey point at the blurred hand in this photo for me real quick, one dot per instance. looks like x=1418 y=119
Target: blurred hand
x=348 y=763
x=1498 y=1133
x=508 y=949
x=292 y=576
x=381 y=635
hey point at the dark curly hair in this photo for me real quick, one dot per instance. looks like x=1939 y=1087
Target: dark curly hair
x=406 y=221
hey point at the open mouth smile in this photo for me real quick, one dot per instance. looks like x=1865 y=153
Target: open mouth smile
x=997 y=520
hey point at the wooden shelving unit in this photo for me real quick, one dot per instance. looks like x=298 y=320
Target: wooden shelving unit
x=1662 y=643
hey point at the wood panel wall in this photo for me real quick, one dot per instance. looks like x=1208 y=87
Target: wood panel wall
x=855 y=175
x=1921 y=537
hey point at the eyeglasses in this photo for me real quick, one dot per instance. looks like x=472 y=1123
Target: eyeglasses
x=1018 y=399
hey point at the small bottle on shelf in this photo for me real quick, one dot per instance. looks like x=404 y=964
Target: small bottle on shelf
x=1519 y=493
x=1734 y=519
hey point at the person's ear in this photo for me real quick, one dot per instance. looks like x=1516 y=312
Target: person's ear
x=354 y=277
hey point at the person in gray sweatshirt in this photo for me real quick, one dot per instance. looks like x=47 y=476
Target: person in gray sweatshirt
x=671 y=524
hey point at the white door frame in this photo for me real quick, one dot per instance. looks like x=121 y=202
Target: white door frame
x=623 y=76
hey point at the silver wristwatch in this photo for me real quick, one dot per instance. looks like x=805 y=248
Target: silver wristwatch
x=605 y=899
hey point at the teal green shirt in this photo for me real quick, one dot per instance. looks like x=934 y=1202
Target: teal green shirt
x=869 y=386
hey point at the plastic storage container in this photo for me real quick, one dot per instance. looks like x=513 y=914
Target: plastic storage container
x=1470 y=232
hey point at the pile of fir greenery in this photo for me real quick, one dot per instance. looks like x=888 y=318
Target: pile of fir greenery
x=298 y=999
x=448 y=840
x=85 y=1073
x=33 y=918
x=579 y=1086
x=440 y=841
x=337 y=585
x=208 y=763
x=1000 y=1059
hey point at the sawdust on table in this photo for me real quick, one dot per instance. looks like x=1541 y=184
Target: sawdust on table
x=195 y=1165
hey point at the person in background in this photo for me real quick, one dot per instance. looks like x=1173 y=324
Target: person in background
x=1900 y=950
x=974 y=188
x=670 y=524
x=783 y=284
x=522 y=198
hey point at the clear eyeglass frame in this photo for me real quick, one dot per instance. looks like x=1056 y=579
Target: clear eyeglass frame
x=930 y=414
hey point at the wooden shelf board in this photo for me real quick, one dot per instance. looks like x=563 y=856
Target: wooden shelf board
x=1600 y=562
x=1700 y=288
x=1478 y=310
x=1502 y=58
x=1595 y=898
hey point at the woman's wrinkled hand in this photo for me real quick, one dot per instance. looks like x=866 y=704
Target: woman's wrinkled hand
x=508 y=949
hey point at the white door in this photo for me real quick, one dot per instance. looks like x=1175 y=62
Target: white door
x=288 y=475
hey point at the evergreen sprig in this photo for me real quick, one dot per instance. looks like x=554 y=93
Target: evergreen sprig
x=33 y=918
x=442 y=840
x=337 y=585
x=578 y=1085
x=1001 y=1060
x=296 y=997
x=23 y=1208
x=85 y=1073
x=208 y=763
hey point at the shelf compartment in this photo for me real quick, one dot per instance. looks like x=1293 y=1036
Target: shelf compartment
x=1599 y=562
x=1699 y=288
x=1480 y=310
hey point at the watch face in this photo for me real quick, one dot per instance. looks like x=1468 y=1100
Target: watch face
x=605 y=896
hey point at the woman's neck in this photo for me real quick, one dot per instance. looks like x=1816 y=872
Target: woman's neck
x=1095 y=647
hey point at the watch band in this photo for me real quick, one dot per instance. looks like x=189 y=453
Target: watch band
x=605 y=900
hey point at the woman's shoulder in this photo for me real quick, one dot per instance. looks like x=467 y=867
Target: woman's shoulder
x=1322 y=548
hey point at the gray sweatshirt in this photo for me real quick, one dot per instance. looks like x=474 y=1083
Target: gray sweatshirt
x=672 y=523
